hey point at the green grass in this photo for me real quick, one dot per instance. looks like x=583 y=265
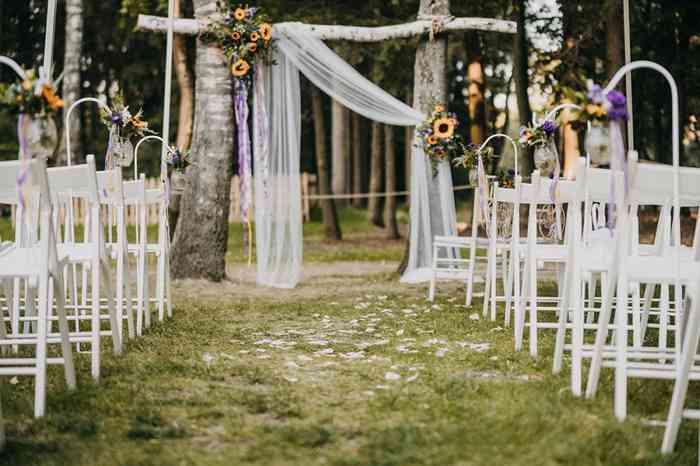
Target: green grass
x=239 y=376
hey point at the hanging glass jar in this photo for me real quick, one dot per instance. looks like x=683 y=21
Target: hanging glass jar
x=473 y=177
x=546 y=159
x=504 y=220
x=178 y=181
x=120 y=150
x=598 y=145
x=39 y=135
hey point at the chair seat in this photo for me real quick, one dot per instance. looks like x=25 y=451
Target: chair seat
x=75 y=252
x=655 y=269
x=22 y=262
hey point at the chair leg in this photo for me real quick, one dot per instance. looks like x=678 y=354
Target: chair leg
x=166 y=276
x=577 y=336
x=160 y=285
x=487 y=287
x=41 y=324
x=494 y=285
x=520 y=309
x=533 y=307
x=63 y=329
x=114 y=321
x=433 y=276
x=470 y=278
x=621 y=350
x=601 y=335
x=680 y=388
x=129 y=303
x=95 y=321
x=563 y=318
x=120 y=294
x=509 y=288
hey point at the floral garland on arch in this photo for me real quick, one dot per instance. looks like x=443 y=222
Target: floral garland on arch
x=244 y=34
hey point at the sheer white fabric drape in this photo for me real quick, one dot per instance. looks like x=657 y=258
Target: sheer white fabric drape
x=277 y=190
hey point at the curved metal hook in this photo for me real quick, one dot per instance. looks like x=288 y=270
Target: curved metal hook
x=67 y=121
x=512 y=142
x=14 y=65
x=136 y=150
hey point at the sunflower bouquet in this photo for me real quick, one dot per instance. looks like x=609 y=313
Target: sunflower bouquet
x=244 y=34
x=538 y=135
x=438 y=138
x=32 y=96
x=118 y=118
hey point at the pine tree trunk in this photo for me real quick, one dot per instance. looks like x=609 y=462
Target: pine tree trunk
x=339 y=138
x=201 y=237
x=331 y=226
x=430 y=87
x=375 y=181
x=71 y=79
x=358 y=156
x=184 y=125
x=390 y=186
x=520 y=66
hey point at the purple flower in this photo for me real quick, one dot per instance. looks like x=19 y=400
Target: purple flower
x=116 y=118
x=549 y=127
x=617 y=105
x=595 y=93
x=522 y=131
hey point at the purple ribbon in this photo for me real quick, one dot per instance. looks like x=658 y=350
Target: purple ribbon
x=617 y=162
x=24 y=156
x=244 y=172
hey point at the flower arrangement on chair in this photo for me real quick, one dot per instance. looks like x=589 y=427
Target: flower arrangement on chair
x=178 y=160
x=599 y=110
x=438 y=138
x=469 y=159
x=122 y=125
x=541 y=138
x=36 y=102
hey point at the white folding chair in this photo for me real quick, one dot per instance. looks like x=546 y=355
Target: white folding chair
x=40 y=265
x=80 y=182
x=135 y=198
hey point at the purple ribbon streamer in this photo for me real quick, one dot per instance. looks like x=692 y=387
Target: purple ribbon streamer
x=24 y=157
x=244 y=152
x=482 y=186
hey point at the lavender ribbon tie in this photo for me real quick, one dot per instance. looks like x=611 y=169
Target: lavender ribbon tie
x=24 y=156
x=617 y=162
x=244 y=152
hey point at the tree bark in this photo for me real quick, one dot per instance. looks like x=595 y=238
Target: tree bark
x=358 y=157
x=430 y=87
x=390 y=185
x=614 y=36
x=331 y=226
x=184 y=125
x=375 y=180
x=71 y=79
x=339 y=137
x=520 y=66
x=353 y=33
x=201 y=237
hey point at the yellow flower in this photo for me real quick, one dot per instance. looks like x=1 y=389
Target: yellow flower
x=52 y=99
x=254 y=36
x=439 y=108
x=252 y=47
x=444 y=128
x=240 y=68
x=26 y=84
x=595 y=110
x=432 y=140
x=137 y=122
x=239 y=14
x=236 y=35
x=266 y=31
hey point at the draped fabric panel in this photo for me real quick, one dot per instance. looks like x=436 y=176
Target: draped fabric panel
x=277 y=188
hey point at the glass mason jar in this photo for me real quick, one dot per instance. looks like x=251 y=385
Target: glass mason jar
x=598 y=145
x=178 y=181
x=504 y=220
x=546 y=158
x=40 y=135
x=473 y=177
x=120 y=149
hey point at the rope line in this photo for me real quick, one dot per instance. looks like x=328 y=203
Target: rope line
x=368 y=195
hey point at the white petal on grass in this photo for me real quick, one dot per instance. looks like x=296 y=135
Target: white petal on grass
x=411 y=378
x=304 y=358
x=441 y=352
x=392 y=376
x=399 y=332
x=325 y=352
x=368 y=393
x=290 y=379
x=292 y=365
x=208 y=358
x=353 y=355
x=474 y=316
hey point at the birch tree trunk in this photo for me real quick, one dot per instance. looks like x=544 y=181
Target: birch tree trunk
x=374 y=207
x=71 y=79
x=429 y=88
x=201 y=237
x=390 y=185
x=339 y=138
x=358 y=156
x=331 y=226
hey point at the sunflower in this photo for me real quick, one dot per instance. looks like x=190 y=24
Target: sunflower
x=137 y=122
x=239 y=14
x=52 y=99
x=240 y=68
x=254 y=36
x=266 y=31
x=432 y=140
x=595 y=110
x=444 y=128
x=236 y=35
x=439 y=108
x=252 y=47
